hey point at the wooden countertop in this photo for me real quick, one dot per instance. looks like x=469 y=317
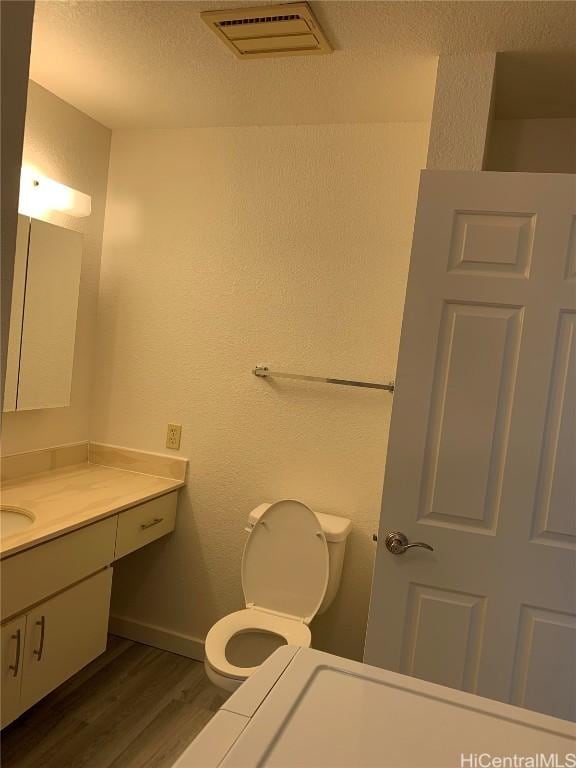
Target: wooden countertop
x=65 y=499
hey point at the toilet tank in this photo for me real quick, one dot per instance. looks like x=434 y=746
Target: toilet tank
x=336 y=530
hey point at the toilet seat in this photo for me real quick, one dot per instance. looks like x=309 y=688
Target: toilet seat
x=285 y=565
x=294 y=631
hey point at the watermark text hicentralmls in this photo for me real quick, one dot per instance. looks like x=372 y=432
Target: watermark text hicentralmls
x=536 y=760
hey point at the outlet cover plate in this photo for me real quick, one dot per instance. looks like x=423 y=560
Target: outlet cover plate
x=173 y=436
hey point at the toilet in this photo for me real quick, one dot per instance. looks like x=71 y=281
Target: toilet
x=291 y=569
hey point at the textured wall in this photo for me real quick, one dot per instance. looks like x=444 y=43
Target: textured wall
x=66 y=145
x=462 y=112
x=536 y=146
x=228 y=247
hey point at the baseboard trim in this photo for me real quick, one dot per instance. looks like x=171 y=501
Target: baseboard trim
x=158 y=637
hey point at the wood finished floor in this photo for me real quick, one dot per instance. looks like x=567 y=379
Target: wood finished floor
x=133 y=707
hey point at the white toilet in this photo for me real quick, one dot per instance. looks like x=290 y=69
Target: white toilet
x=291 y=569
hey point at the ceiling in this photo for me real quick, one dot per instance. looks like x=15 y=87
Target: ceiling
x=156 y=64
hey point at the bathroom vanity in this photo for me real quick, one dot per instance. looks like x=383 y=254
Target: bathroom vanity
x=56 y=571
x=68 y=513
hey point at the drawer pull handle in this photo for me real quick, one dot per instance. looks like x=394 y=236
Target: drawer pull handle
x=144 y=526
x=14 y=668
x=40 y=649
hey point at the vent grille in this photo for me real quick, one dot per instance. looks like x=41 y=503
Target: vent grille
x=277 y=30
x=258 y=20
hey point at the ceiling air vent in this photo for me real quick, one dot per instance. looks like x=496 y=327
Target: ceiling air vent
x=269 y=30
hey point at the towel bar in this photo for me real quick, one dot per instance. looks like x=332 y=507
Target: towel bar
x=264 y=372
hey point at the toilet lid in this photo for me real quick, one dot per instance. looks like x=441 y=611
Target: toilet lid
x=285 y=561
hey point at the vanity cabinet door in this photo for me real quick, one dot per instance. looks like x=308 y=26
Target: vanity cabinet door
x=63 y=634
x=12 y=642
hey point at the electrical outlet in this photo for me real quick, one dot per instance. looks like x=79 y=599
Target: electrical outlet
x=173 y=436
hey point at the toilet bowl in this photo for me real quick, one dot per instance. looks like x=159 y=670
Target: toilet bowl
x=229 y=676
x=291 y=569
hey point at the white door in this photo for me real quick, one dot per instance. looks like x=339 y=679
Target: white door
x=482 y=454
x=64 y=634
x=12 y=652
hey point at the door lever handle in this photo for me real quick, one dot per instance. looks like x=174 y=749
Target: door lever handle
x=397 y=543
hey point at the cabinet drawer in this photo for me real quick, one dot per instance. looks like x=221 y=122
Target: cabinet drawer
x=145 y=523
x=64 y=634
x=37 y=573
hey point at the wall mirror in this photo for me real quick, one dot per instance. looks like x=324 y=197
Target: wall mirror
x=43 y=316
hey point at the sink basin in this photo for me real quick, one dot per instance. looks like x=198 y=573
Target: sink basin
x=14 y=520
